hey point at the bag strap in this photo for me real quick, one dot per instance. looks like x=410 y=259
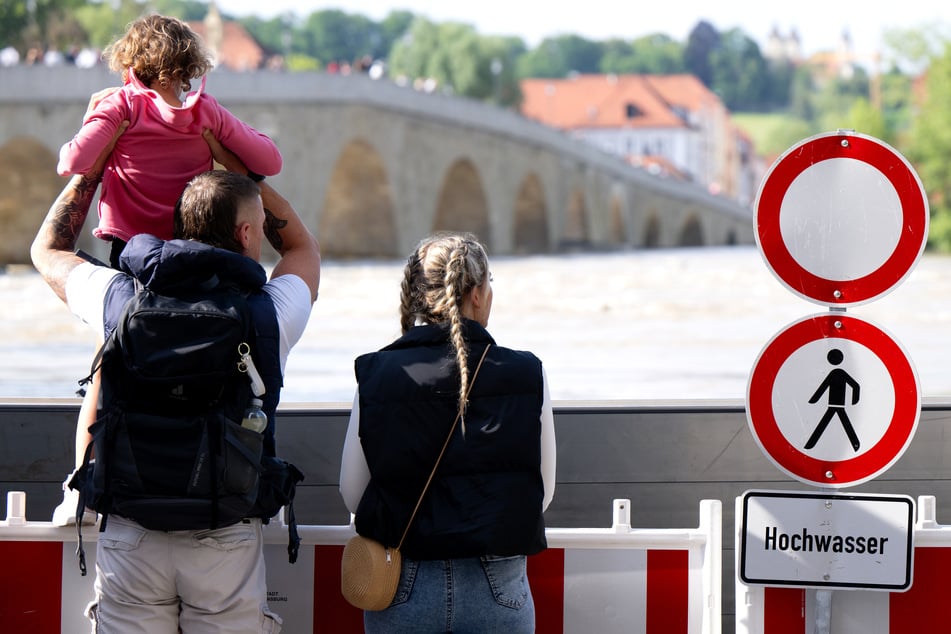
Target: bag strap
x=443 y=450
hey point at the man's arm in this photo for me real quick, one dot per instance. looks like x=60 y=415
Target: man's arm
x=54 y=248
x=298 y=248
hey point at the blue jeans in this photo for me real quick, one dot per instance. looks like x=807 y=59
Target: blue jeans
x=477 y=595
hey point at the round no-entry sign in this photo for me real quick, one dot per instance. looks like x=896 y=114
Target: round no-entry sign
x=833 y=400
x=841 y=218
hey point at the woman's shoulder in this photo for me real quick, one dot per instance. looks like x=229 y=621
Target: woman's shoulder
x=516 y=356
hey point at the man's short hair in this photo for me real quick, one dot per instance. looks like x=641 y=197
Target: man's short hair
x=207 y=211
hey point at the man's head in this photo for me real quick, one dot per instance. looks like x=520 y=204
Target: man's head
x=224 y=210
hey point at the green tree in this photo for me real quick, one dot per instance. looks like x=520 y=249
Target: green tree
x=104 y=22
x=335 y=35
x=702 y=41
x=560 y=56
x=655 y=54
x=15 y=20
x=865 y=118
x=188 y=10
x=394 y=26
x=894 y=96
x=276 y=34
x=738 y=72
x=449 y=53
x=40 y=23
x=800 y=103
x=498 y=58
x=930 y=148
x=834 y=99
x=780 y=80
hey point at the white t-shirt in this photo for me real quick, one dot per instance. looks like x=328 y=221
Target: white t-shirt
x=87 y=283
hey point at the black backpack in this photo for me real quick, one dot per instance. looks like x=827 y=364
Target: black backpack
x=170 y=452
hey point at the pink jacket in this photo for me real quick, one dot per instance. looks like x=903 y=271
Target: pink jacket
x=157 y=155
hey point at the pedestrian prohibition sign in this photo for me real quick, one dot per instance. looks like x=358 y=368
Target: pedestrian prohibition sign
x=841 y=218
x=833 y=400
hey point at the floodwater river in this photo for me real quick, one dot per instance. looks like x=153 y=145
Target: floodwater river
x=636 y=325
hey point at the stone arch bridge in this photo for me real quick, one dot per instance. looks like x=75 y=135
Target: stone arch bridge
x=372 y=167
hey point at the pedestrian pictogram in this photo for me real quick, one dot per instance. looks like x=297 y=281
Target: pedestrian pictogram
x=841 y=218
x=826 y=369
x=836 y=384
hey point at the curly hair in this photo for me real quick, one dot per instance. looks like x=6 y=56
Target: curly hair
x=437 y=276
x=159 y=48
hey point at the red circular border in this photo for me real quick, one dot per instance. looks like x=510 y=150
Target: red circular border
x=911 y=242
x=791 y=459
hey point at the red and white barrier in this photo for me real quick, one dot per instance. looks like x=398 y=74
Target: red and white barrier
x=922 y=608
x=605 y=580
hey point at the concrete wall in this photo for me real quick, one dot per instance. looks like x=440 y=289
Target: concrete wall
x=374 y=166
x=664 y=457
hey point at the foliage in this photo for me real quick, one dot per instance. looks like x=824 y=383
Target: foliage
x=773 y=133
x=104 y=22
x=930 y=146
x=739 y=74
x=561 y=56
x=275 y=35
x=701 y=42
x=333 y=35
x=301 y=63
x=656 y=54
x=459 y=60
x=40 y=23
x=497 y=68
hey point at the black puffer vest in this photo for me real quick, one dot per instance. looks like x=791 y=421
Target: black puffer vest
x=486 y=497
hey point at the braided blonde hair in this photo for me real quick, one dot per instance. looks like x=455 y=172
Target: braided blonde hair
x=438 y=275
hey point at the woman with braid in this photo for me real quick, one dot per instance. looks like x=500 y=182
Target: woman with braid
x=464 y=555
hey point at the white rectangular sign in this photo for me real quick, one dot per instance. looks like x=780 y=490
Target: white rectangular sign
x=856 y=541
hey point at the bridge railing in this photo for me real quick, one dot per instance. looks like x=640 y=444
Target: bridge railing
x=606 y=580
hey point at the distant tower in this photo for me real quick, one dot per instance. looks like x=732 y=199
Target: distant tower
x=774 y=49
x=783 y=48
x=794 y=46
x=845 y=55
x=214 y=31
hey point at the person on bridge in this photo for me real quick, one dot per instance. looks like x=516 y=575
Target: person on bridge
x=464 y=555
x=165 y=582
x=158 y=58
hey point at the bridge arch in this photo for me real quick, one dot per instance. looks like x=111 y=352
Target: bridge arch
x=28 y=185
x=617 y=234
x=358 y=216
x=462 y=204
x=531 y=217
x=652 y=232
x=691 y=234
x=575 y=231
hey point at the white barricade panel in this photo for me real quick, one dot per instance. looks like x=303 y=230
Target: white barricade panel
x=924 y=607
x=640 y=581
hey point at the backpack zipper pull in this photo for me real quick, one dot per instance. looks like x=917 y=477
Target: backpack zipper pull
x=246 y=364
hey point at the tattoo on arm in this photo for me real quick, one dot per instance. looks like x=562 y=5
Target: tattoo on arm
x=68 y=214
x=66 y=222
x=61 y=230
x=272 y=230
